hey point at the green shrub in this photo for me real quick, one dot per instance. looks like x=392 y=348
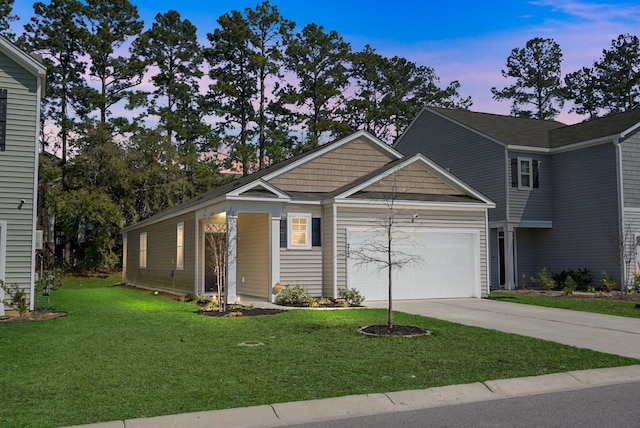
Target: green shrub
x=569 y=286
x=635 y=282
x=189 y=297
x=294 y=295
x=353 y=296
x=17 y=298
x=544 y=279
x=582 y=278
x=608 y=283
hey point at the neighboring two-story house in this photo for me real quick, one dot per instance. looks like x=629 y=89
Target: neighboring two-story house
x=566 y=196
x=21 y=86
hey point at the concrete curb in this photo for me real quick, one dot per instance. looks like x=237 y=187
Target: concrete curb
x=298 y=412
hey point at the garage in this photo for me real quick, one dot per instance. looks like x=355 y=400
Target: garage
x=447 y=267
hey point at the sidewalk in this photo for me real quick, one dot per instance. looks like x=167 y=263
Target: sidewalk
x=283 y=414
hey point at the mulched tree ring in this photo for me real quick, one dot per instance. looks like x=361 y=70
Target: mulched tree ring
x=396 y=330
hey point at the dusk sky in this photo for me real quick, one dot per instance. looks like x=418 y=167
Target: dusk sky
x=462 y=40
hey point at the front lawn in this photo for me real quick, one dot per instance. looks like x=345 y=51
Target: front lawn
x=121 y=353
x=622 y=308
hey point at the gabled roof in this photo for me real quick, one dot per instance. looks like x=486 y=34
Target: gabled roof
x=608 y=126
x=258 y=179
x=25 y=60
x=358 y=189
x=508 y=130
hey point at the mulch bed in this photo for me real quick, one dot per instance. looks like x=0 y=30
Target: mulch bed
x=614 y=295
x=37 y=315
x=396 y=330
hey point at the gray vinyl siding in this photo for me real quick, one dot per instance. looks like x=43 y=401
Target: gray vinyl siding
x=303 y=267
x=585 y=208
x=525 y=248
x=17 y=170
x=253 y=250
x=349 y=217
x=161 y=272
x=631 y=230
x=327 y=251
x=631 y=171
x=534 y=204
x=474 y=159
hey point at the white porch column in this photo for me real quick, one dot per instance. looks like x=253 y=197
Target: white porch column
x=275 y=256
x=232 y=258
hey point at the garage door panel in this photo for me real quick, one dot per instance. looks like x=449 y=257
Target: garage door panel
x=448 y=266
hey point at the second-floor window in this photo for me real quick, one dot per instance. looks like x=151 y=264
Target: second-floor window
x=525 y=174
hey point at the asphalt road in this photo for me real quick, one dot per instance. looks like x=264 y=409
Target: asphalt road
x=607 y=406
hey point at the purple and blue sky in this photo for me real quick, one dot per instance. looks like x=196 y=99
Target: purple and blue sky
x=462 y=40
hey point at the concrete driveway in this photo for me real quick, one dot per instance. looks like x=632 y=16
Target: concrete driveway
x=604 y=333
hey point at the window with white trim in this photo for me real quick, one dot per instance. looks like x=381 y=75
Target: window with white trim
x=299 y=228
x=143 y=249
x=180 y=246
x=525 y=174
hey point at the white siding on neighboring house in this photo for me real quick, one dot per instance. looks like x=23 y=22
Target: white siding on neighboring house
x=631 y=171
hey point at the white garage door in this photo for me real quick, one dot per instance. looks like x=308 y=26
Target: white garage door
x=448 y=265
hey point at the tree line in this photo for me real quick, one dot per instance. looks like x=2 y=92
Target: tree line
x=137 y=119
x=610 y=85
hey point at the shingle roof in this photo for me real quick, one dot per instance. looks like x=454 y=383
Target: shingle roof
x=506 y=129
x=593 y=129
x=225 y=188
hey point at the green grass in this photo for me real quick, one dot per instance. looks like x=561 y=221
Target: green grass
x=620 y=308
x=124 y=354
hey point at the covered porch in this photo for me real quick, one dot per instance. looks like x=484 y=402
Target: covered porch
x=250 y=238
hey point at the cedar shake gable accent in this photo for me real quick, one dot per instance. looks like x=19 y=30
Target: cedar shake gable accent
x=334 y=169
x=368 y=148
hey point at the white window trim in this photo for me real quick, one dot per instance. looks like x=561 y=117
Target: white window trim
x=290 y=244
x=180 y=248
x=520 y=173
x=142 y=261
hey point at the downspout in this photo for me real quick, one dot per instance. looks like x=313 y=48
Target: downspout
x=621 y=225
x=335 y=249
x=487 y=248
x=196 y=282
x=34 y=205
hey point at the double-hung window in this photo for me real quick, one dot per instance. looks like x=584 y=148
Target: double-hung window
x=143 y=250
x=525 y=174
x=299 y=231
x=180 y=246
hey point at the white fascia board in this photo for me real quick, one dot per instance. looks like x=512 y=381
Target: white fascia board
x=259 y=182
x=255 y=199
x=585 y=144
x=25 y=60
x=528 y=149
x=626 y=132
x=457 y=206
x=435 y=169
x=333 y=146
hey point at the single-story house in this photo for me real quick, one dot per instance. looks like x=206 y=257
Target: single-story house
x=302 y=220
